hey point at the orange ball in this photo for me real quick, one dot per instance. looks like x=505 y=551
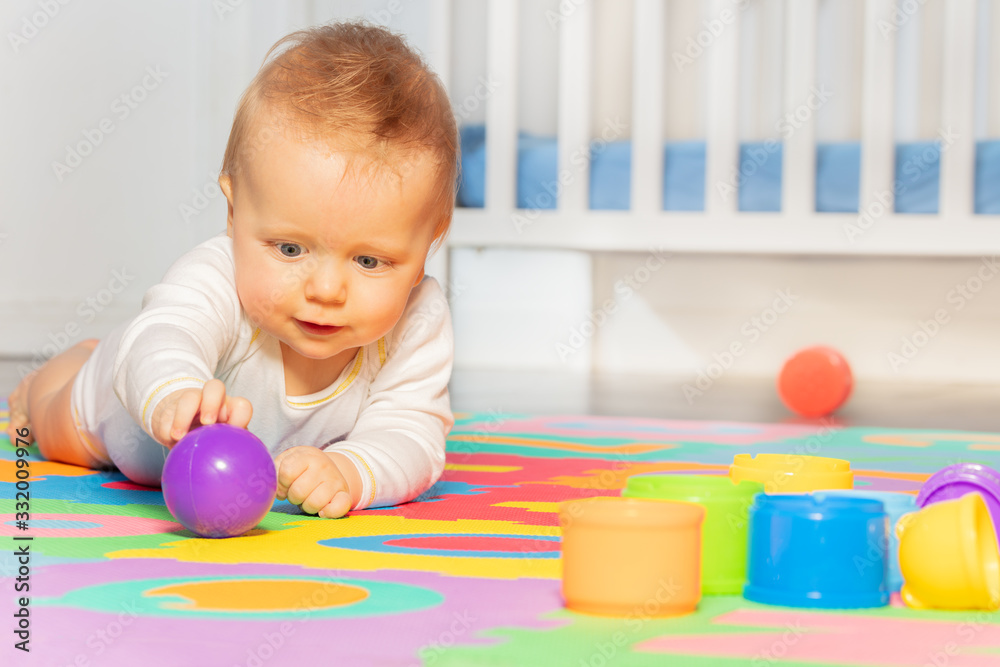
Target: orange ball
x=815 y=381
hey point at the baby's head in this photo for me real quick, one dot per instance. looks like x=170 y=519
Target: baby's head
x=340 y=174
x=359 y=90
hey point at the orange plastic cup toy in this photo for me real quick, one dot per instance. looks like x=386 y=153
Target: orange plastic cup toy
x=815 y=381
x=724 y=531
x=792 y=473
x=625 y=556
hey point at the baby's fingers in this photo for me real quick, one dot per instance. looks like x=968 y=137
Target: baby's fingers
x=290 y=465
x=213 y=398
x=338 y=506
x=314 y=500
x=184 y=414
x=236 y=411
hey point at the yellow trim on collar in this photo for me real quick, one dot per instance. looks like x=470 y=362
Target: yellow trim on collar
x=339 y=390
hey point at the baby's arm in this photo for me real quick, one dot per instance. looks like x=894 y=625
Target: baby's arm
x=169 y=353
x=397 y=446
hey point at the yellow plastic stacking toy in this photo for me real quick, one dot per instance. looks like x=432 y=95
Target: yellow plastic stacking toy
x=949 y=557
x=626 y=556
x=792 y=473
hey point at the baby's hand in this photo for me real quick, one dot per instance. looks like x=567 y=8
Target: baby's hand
x=186 y=409
x=311 y=478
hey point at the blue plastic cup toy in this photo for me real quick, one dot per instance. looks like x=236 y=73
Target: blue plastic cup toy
x=896 y=505
x=817 y=551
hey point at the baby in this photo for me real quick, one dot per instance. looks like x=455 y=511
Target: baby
x=309 y=321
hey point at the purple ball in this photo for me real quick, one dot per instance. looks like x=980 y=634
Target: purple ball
x=219 y=481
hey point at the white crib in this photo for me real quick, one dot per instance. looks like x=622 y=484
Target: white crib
x=721 y=228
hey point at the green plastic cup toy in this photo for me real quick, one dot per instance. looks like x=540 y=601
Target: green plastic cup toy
x=724 y=533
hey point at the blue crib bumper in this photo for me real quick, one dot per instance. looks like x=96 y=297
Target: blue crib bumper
x=757 y=184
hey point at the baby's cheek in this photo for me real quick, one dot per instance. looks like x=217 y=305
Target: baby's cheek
x=258 y=299
x=265 y=306
x=387 y=316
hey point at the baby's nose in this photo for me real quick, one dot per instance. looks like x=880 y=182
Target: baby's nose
x=327 y=282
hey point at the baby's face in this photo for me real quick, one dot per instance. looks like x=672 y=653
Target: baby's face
x=326 y=256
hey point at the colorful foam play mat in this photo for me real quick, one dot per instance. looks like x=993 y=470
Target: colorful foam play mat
x=469 y=574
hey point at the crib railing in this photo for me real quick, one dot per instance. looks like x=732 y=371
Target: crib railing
x=721 y=228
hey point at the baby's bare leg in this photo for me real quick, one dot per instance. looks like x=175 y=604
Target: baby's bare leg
x=41 y=402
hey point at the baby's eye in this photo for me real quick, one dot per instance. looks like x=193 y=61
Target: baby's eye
x=290 y=249
x=367 y=262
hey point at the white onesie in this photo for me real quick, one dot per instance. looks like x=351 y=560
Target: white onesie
x=388 y=412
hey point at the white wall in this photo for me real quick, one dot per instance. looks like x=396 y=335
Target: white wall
x=894 y=319
x=115 y=209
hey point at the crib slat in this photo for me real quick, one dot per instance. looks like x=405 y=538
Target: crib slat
x=501 y=106
x=439 y=58
x=877 y=108
x=957 y=116
x=798 y=178
x=722 y=92
x=574 y=108
x=993 y=69
x=647 y=107
x=440 y=27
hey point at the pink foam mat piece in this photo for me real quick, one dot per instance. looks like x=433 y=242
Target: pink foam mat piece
x=972 y=639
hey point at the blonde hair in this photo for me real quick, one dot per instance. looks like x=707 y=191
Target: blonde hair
x=358 y=87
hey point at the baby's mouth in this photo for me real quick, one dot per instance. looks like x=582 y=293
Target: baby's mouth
x=317 y=329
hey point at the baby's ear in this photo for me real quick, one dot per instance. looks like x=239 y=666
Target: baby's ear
x=226 y=184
